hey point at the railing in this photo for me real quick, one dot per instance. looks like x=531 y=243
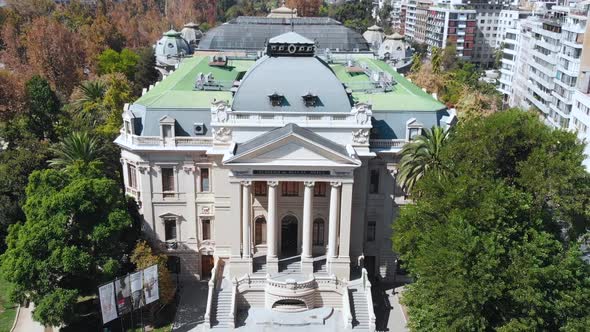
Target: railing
x=299 y=118
x=346 y=311
x=367 y=290
x=212 y=287
x=387 y=143
x=294 y=285
x=234 y=304
x=159 y=141
x=252 y=282
x=133 y=192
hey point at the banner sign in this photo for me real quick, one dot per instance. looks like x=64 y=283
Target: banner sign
x=123 y=292
x=136 y=289
x=150 y=284
x=108 y=306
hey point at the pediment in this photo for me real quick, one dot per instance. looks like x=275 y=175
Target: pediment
x=295 y=150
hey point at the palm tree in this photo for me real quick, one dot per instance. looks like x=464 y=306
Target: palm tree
x=421 y=156
x=75 y=148
x=91 y=92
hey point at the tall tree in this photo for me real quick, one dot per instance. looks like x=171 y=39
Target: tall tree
x=56 y=53
x=436 y=60
x=493 y=245
x=305 y=8
x=73 y=239
x=43 y=108
x=145 y=72
x=111 y=61
x=144 y=256
x=75 y=149
x=421 y=156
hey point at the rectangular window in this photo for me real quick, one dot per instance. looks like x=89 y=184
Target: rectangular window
x=319 y=189
x=260 y=188
x=131 y=176
x=206 y=223
x=318 y=232
x=205 y=186
x=168 y=181
x=170 y=229
x=374 y=184
x=167 y=131
x=290 y=188
x=371 y=228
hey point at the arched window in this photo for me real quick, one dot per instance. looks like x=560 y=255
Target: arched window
x=260 y=231
x=318 y=232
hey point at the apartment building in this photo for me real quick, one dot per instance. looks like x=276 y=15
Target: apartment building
x=580 y=116
x=447 y=24
x=541 y=62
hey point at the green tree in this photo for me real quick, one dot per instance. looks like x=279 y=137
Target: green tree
x=111 y=61
x=75 y=149
x=145 y=72
x=143 y=256
x=449 y=56
x=493 y=245
x=73 y=239
x=421 y=156
x=416 y=62
x=436 y=60
x=43 y=108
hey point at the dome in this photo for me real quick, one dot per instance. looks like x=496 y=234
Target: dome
x=286 y=81
x=374 y=36
x=191 y=33
x=394 y=47
x=170 y=47
x=251 y=33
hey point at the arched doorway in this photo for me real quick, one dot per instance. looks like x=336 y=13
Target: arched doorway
x=289 y=236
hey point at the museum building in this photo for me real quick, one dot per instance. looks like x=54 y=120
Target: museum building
x=274 y=175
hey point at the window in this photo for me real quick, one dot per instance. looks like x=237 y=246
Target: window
x=310 y=99
x=260 y=231
x=276 y=99
x=374 y=185
x=371 y=227
x=167 y=131
x=170 y=229
x=319 y=189
x=318 y=232
x=206 y=224
x=168 y=181
x=260 y=188
x=290 y=188
x=205 y=180
x=131 y=176
x=413 y=133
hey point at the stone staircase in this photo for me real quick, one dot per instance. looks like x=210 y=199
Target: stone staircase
x=259 y=264
x=320 y=265
x=290 y=265
x=221 y=306
x=360 y=310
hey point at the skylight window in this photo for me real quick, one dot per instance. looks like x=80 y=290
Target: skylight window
x=310 y=99
x=276 y=99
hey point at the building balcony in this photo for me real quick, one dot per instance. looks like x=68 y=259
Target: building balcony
x=155 y=142
x=392 y=145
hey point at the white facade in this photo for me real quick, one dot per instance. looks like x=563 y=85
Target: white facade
x=285 y=196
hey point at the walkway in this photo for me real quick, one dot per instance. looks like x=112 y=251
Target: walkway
x=25 y=322
x=191 y=309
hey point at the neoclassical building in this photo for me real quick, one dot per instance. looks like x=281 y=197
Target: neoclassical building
x=274 y=176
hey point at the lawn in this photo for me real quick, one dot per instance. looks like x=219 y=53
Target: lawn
x=7 y=309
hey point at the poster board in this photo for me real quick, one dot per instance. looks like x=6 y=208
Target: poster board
x=108 y=305
x=123 y=295
x=136 y=281
x=151 y=290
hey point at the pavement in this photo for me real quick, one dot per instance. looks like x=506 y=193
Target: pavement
x=25 y=322
x=192 y=305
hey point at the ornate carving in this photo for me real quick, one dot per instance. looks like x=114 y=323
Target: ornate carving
x=143 y=168
x=362 y=113
x=273 y=183
x=220 y=109
x=246 y=183
x=309 y=183
x=336 y=184
x=222 y=134
x=188 y=168
x=206 y=210
x=360 y=136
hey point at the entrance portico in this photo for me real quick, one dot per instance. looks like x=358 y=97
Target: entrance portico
x=305 y=160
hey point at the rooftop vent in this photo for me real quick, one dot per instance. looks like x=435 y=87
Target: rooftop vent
x=218 y=61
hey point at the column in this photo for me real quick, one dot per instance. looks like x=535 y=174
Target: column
x=271 y=223
x=333 y=225
x=246 y=210
x=307 y=219
x=272 y=262
x=340 y=266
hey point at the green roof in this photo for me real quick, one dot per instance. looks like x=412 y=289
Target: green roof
x=177 y=90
